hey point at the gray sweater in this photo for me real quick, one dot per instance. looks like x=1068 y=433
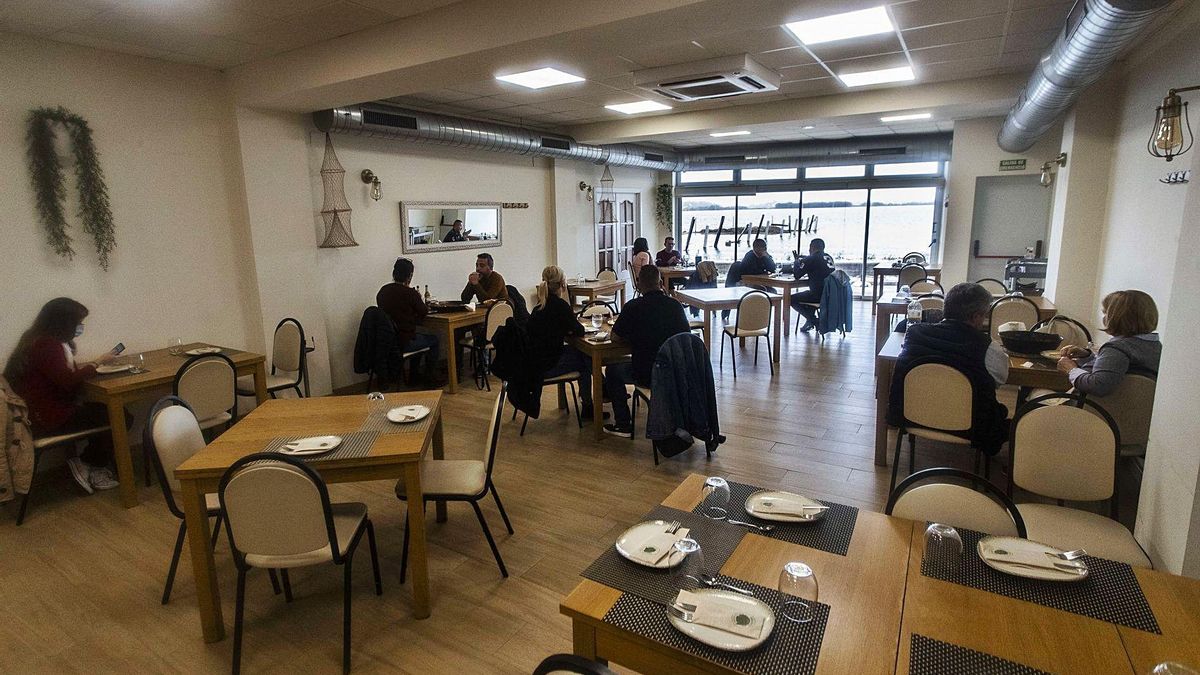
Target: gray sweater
x=1100 y=374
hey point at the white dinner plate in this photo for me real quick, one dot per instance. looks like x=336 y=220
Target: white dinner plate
x=715 y=637
x=590 y=329
x=109 y=369
x=765 y=496
x=200 y=351
x=313 y=445
x=407 y=414
x=992 y=547
x=638 y=533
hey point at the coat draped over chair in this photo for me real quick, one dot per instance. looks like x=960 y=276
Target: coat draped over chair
x=683 y=397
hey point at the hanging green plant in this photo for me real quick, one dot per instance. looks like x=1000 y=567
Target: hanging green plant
x=664 y=205
x=46 y=173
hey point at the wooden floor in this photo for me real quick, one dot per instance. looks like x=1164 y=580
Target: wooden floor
x=80 y=581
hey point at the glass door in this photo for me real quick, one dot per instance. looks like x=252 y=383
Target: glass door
x=840 y=218
x=902 y=221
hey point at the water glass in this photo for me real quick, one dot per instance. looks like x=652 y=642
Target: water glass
x=139 y=363
x=597 y=320
x=943 y=547
x=798 y=586
x=716 y=498
x=687 y=564
x=376 y=403
x=1172 y=668
x=175 y=347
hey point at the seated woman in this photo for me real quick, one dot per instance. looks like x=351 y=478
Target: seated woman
x=551 y=322
x=641 y=255
x=400 y=301
x=43 y=371
x=1130 y=317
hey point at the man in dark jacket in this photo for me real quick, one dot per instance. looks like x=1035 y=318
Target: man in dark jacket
x=756 y=261
x=645 y=323
x=960 y=342
x=817 y=269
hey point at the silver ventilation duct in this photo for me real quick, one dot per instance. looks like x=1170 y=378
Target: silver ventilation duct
x=1095 y=33
x=379 y=121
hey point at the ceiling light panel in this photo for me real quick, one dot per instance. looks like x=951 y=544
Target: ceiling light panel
x=869 y=77
x=905 y=118
x=540 y=78
x=722 y=134
x=842 y=26
x=638 y=107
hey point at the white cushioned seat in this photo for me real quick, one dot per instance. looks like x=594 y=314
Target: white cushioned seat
x=732 y=331
x=347 y=518
x=1069 y=529
x=215 y=420
x=465 y=477
x=934 y=435
x=245 y=383
x=565 y=377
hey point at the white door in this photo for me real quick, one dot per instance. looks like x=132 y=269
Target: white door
x=1011 y=214
x=617 y=225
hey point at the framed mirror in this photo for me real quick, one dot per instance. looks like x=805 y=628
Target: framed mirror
x=447 y=226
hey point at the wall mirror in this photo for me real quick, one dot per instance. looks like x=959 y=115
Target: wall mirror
x=444 y=226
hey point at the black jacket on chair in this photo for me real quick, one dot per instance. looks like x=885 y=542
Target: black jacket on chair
x=683 y=396
x=958 y=345
x=376 y=349
x=520 y=309
x=516 y=364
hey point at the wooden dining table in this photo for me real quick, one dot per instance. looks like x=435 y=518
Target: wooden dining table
x=879 y=598
x=599 y=353
x=881 y=272
x=446 y=325
x=593 y=289
x=1040 y=373
x=712 y=300
x=885 y=311
x=117 y=390
x=669 y=274
x=392 y=456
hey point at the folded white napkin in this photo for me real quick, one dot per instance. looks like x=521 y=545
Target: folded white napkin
x=314 y=443
x=787 y=505
x=1032 y=558
x=654 y=545
x=722 y=613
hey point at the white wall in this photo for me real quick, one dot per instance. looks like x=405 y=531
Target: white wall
x=976 y=154
x=168 y=150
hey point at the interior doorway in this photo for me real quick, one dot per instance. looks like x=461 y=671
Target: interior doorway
x=618 y=223
x=1012 y=213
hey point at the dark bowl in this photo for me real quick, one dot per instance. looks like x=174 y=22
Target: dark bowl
x=1029 y=342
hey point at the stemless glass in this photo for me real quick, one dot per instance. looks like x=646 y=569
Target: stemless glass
x=689 y=569
x=943 y=546
x=597 y=320
x=1172 y=668
x=716 y=498
x=798 y=585
x=139 y=364
x=175 y=348
x=376 y=403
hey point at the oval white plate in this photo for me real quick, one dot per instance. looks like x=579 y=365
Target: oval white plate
x=108 y=370
x=766 y=495
x=624 y=547
x=991 y=543
x=313 y=445
x=732 y=642
x=407 y=414
x=200 y=351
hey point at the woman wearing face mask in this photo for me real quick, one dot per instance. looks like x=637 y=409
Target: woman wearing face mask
x=43 y=370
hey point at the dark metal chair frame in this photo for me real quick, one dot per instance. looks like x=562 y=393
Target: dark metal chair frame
x=301 y=375
x=989 y=488
x=767 y=336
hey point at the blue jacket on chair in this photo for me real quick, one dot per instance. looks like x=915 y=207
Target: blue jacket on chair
x=836 y=303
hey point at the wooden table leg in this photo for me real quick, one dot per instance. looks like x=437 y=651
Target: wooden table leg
x=787 y=310
x=875 y=290
x=260 y=382
x=583 y=638
x=439 y=452
x=121 y=452
x=708 y=319
x=597 y=395
x=622 y=289
x=208 y=593
x=418 y=561
x=778 y=317
x=451 y=360
x=882 y=326
x=883 y=395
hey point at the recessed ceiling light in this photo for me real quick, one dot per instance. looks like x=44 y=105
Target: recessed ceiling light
x=901 y=74
x=842 y=26
x=905 y=118
x=638 y=107
x=807 y=127
x=540 y=78
x=722 y=134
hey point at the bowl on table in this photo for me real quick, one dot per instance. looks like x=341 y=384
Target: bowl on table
x=1029 y=342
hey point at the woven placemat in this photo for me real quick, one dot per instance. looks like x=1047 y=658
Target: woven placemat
x=1110 y=592
x=378 y=421
x=717 y=541
x=356 y=444
x=831 y=534
x=927 y=656
x=791 y=649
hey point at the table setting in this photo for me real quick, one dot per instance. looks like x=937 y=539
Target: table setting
x=780 y=515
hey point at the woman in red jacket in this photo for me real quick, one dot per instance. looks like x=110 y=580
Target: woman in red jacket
x=43 y=371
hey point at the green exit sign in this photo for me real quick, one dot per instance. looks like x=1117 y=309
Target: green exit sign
x=1012 y=165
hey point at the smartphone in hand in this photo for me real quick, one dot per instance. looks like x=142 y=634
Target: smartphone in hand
x=118 y=349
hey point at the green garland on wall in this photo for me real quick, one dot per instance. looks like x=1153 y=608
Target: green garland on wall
x=664 y=204
x=46 y=173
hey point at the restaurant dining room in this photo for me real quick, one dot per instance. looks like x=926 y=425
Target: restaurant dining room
x=529 y=337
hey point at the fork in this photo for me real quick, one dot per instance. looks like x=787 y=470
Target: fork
x=711 y=581
x=753 y=526
x=681 y=614
x=1068 y=555
x=673 y=527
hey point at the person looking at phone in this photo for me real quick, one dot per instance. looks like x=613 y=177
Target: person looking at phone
x=44 y=371
x=1131 y=318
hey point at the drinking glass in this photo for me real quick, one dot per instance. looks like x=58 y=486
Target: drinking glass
x=904 y=291
x=175 y=348
x=943 y=547
x=716 y=498
x=139 y=364
x=597 y=320
x=798 y=585
x=1172 y=668
x=376 y=403
x=687 y=562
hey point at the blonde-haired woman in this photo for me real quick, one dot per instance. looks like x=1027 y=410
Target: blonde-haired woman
x=550 y=324
x=1130 y=317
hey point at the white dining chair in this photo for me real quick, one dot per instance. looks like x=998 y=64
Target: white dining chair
x=1131 y=406
x=1072 y=331
x=993 y=286
x=1011 y=308
x=909 y=274
x=926 y=285
x=208 y=383
x=989 y=511
x=753 y=321
x=288 y=362
x=480 y=345
x=938 y=405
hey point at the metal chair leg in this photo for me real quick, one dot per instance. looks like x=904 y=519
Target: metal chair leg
x=216 y=531
x=721 y=352
x=755 y=352
x=491 y=542
x=770 y=359
x=374 y=558
x=238 y=617
x=287 y=585
x=896 y=459
x=346 y=595
x=732 y=357
x=500 y=507
x=404 y=555
x=575 y=398
x=166 y=596
x=523 y=423
x=912 y=454
x=274 y=581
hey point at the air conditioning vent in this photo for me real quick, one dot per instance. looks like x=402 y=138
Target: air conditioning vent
x=874 y=152
x=711 y=78
x=725 y=159
x=653 y=157
x=556 y=143
x=389 y=120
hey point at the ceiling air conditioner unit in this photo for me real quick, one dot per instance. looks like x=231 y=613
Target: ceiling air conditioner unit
x=711 y=78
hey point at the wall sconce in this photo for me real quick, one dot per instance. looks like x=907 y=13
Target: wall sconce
x=584 y=187
x=369 y=176
x=1172 y=132
x=1048 y=175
